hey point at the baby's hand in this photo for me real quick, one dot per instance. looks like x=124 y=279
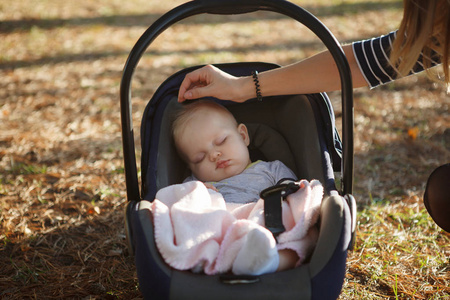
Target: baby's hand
x=210 y=186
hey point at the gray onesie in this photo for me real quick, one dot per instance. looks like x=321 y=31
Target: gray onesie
x=245 y=187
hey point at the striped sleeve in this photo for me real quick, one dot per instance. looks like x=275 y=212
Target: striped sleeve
x=372 y=56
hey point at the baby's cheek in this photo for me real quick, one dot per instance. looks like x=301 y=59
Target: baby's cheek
x=202 y=172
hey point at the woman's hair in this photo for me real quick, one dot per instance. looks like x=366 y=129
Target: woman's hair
x=425 y=28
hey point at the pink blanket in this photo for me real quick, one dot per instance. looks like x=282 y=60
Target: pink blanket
x=195 y=229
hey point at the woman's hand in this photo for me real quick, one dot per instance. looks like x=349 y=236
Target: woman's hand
x=210 y=81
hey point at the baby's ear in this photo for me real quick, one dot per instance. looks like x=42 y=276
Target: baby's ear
x=242 y=129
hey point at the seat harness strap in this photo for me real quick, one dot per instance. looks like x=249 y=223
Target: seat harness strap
x=273 y=198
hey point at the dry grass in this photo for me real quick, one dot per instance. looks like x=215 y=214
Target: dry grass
x=62 y=191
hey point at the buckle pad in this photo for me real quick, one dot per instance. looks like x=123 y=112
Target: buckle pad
x=273 y=197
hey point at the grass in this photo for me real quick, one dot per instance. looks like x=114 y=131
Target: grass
x=62 y=190
x=386 y=249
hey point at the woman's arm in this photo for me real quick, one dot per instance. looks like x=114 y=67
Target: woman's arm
x=315 y=74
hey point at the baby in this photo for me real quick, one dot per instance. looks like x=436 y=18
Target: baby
x=214 y=146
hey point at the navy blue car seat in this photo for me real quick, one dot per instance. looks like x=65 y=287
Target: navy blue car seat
x=296 y=129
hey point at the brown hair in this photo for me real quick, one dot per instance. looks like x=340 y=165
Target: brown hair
x=425 y=28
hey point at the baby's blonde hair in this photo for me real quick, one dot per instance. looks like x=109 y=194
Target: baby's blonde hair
x=425 y=27
x=188 y=110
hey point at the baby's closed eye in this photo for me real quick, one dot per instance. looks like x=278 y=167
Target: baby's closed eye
x=198 y=158
x=221 y=140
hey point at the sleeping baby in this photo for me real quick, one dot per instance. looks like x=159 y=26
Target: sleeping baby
x=214 y=146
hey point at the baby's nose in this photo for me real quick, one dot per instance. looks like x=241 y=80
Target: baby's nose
x=215 y=155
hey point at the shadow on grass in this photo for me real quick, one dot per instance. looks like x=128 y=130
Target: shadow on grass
x=391 y=171
x=87 y=259
x=64 y=239
x=8 y=26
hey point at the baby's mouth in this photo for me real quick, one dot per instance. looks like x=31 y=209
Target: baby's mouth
x=221 y=164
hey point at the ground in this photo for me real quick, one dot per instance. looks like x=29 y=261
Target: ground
x=62 y=184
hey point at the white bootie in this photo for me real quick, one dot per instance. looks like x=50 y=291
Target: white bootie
x=258 y=255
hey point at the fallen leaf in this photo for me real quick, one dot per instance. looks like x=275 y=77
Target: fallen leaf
x=413 y=133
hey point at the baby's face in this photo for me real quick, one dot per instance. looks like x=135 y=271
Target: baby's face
x=213 y=146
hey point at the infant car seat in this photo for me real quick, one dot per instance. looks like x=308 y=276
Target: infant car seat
x=296 y=129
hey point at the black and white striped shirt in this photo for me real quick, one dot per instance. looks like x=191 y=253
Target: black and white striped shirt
x=372 y=56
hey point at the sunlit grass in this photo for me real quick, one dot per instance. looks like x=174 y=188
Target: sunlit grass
x=399 y=250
